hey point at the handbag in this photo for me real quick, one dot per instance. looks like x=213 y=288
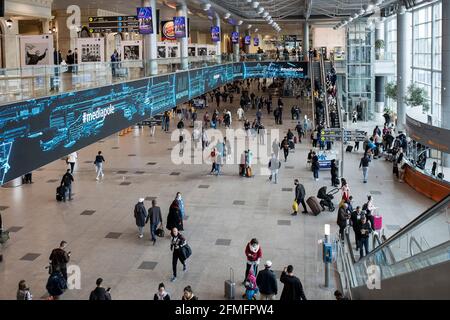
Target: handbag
x=187 y=251
x=295 y=206
x=160 y=232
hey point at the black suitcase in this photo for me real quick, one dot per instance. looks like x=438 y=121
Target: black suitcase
x=349 y=149
x=60 y=193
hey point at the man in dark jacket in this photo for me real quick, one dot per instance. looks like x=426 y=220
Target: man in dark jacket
x=56 y=284
x=155 y=219
x=355 y=218
x=365 y=229
x=293 y=289
x=342 y=219
x=364 y=164
x=300 y=194
x=140 y=214
x=100 y=293
x=66 y=181
x=59 y=259
x=267 y=282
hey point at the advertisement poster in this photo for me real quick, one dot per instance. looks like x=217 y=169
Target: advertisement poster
x=173 y=51
x=161 y=49
x=256 y=42
x=145 y=18
x=202 y=51
x=179 y=27
x=215 y=33
x=36 y=50
x=191 y=51
x=131 y=50
x=167 y=31
x=235 y=37
x=248 y=40
x=91 y=50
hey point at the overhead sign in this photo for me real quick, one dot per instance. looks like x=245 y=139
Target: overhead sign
x=113 y=24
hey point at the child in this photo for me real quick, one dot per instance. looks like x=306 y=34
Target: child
x=251 y=289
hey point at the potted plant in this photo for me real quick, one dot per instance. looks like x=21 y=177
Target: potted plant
x=391 y=90
x=416 y=97
x=379 y=44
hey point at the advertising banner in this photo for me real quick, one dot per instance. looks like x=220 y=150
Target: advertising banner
x=247 y=40
x=215 y=33
x=256 y=42
x=235 y=37
x=145 y=18
x=167 y=30
x=179 y=27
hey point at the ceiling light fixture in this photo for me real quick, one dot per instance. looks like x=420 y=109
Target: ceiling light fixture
x=255 y=4
x=206 y=6
x=265 y=14
x=227 y=15
x=260 y=10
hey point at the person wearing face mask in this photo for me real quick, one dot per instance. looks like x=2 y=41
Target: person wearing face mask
x=253 y=253
x=162 y=294
x=177 y=243
x=188 y=294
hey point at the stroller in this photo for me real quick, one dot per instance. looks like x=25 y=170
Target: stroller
x=325 y=198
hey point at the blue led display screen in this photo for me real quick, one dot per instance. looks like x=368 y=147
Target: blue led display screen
x=36 y=132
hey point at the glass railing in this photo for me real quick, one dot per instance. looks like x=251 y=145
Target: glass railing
x=423 y=242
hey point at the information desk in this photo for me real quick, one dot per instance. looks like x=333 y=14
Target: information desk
x=426 y=184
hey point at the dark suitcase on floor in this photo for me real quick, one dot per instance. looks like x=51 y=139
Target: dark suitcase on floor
x=230 y=286
x=349 y=149
x=60 y=193
x=291 y=145
x=314 y=204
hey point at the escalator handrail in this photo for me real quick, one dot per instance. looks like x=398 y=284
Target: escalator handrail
x=424 y=216
x=349 y=243
x=312 y=94
x=380 y=241
x=323 y=82
x=411 y=241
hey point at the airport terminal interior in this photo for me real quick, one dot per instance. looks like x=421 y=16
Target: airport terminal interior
x=224 y=149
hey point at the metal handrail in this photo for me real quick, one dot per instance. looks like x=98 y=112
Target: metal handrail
x=411 y=241
x=424 y=216
x=323 y=81
x=312 y=94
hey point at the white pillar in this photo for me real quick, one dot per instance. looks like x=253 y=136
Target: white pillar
x=218 y=43
x=149 y=43
x=305 y=40
x=183 y=42
x=236 y=47
x=403 y=65
x=445 y=80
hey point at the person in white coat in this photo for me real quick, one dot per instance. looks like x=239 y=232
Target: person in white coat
x=71 y=160
x=240 y=113
x=274 y=167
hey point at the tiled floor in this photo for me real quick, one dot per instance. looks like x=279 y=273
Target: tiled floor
x=222 y=219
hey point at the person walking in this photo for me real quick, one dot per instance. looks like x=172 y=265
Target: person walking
x=66 y=181
x=300 y=195
x=99 y=160
x=155 y=218
x=71 y=160
x=267 y=282
x=240 y=113
x=162 y=294
x=314 y=137
x=176 y=246
x=174 y=217
x=276 y=148
x=253 y=253
x=364 y=164
x=100 y=293
x=300 y=132
x=274 y=167
x=140 y=214
x=293 y=288
x=342 y=217
x=23 y=292
x=355 y=218
x=59 y=259
x=285 y=146
x=188 y=294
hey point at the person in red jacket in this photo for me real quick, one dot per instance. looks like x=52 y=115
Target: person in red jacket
x=253 y=253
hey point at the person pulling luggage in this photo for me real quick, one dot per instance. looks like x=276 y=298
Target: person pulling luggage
x=300 y=194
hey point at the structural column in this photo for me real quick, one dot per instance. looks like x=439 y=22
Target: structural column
x=183 y=42
x=379 y=80
x=218 y=43
x=149 y=43
x=403 y=73
x=305 y=40
x=236 y=47
x=445 y=92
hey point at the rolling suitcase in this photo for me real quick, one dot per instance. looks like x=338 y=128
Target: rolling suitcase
x=349 y=149
x=230 y=286
x=60 y=193
x=314 y=205
x=377 y=222
x=295 y=140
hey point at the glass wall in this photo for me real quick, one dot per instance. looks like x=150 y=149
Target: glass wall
x=360 y=77
x=426 y=52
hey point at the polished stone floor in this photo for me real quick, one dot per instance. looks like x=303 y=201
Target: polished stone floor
x=223 y=214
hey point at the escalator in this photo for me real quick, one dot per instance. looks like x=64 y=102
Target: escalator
x=414 y=263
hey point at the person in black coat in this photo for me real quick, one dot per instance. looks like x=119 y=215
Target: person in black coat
x=174 y=219
x=293 y=289
x=140 y=214
x=267 y=282
x=300 y=195
x=162 y=294
x=100 y=293
x=334 y=174
x=66 y=181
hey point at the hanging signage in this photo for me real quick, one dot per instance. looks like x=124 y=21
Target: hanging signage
x=113 y=24
x=256 y=42
x=167 y=30
x=179 y=27
x=145 y=18
x=235 y=37
x=247 y=40
x=215 y=33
